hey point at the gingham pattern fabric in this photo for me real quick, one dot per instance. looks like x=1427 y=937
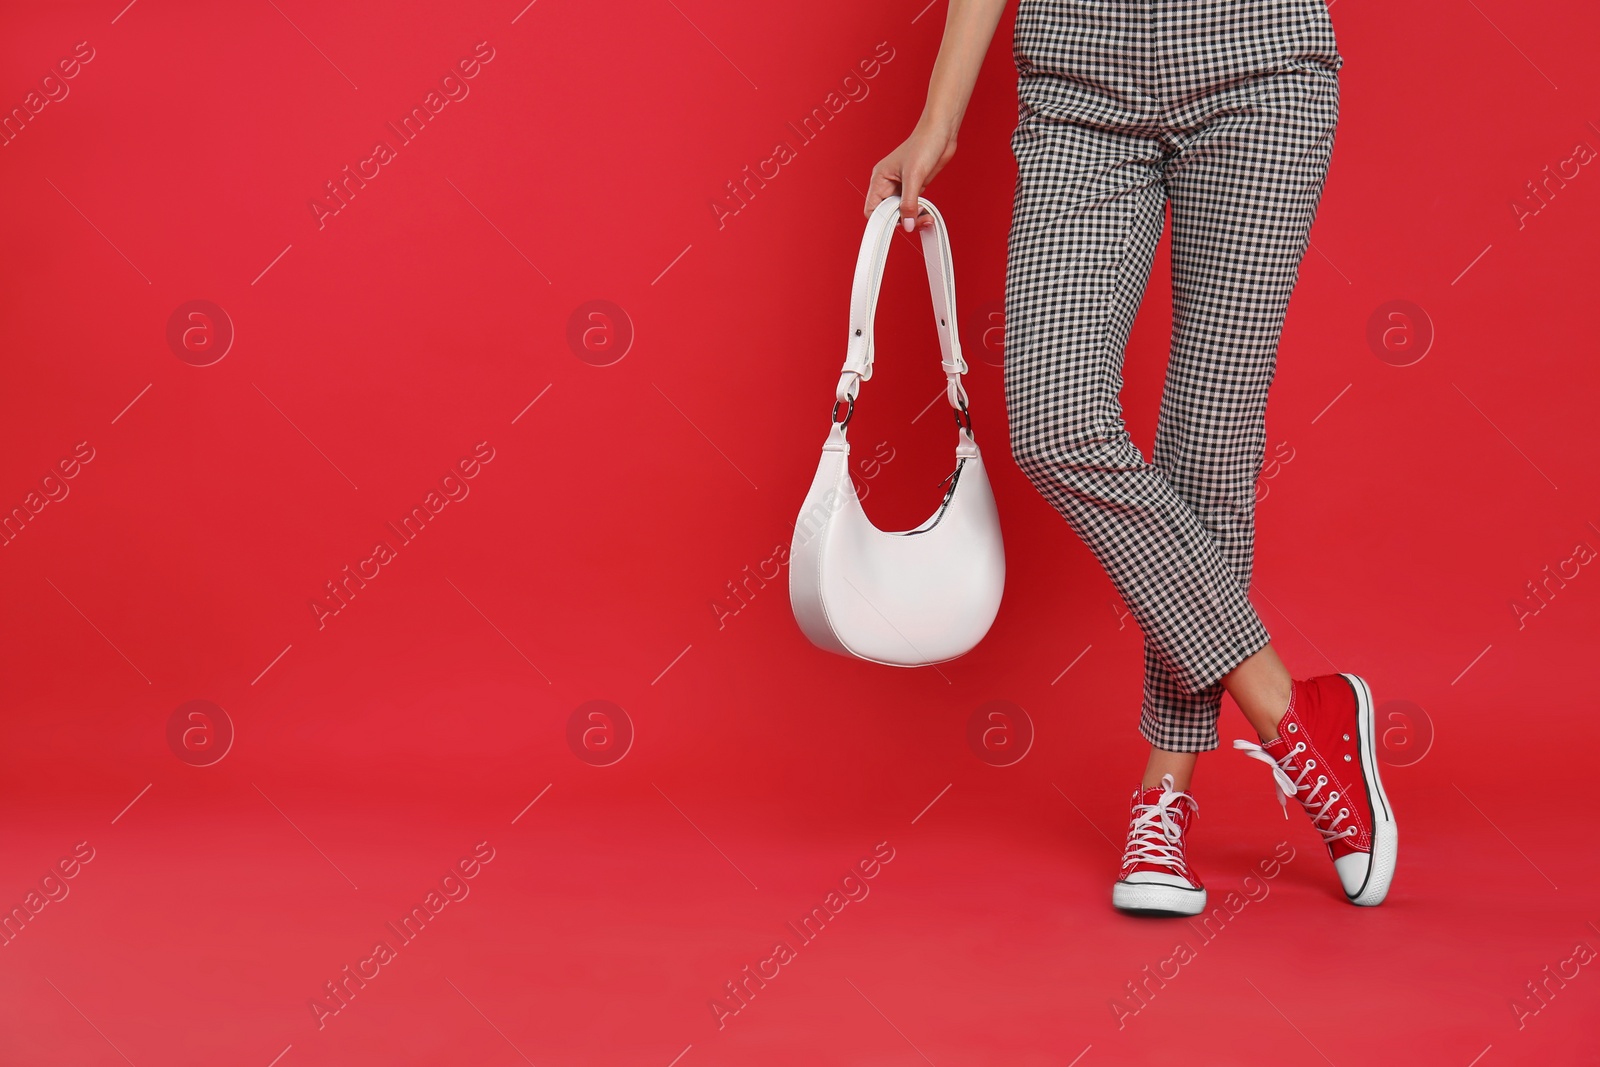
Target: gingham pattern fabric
x=1225 y=109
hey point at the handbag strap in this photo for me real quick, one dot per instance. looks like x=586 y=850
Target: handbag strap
x=864 y=302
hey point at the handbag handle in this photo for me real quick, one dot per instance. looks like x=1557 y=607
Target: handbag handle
x=864 y=305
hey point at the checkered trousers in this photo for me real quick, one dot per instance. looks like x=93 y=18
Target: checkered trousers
x=1225 y=110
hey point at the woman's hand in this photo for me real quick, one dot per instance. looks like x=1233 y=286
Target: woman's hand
x=969 y=26
x=908 y=170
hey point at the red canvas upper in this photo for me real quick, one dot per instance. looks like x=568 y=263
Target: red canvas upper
x=1157 y=834
x=1318 y=754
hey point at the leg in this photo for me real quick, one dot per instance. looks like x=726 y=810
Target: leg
x=1245 y=181
x=1090 y=206
x=1261 y=686
x=1245 y=187
x=1178 y=764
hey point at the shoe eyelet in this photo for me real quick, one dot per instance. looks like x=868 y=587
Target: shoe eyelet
x=1322 y=779
x=1311 y=764
x=1347 y=758
x=1344 y=813
x=1333 y=795
x=1292 y=728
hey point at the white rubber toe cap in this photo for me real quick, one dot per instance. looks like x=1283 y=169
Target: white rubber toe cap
x=1157 y=878
x=1353 y=870
x=1158 y=895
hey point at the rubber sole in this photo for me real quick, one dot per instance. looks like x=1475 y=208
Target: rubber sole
x=1385 y=835
x=1148 y=899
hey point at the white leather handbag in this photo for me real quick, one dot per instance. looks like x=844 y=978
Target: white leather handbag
x=904 y=598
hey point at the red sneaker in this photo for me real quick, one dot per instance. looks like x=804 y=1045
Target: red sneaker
x=1326 y=757
x=1155 y=877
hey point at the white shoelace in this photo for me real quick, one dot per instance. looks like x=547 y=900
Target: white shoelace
x=1154 y=836
x=1323 y=817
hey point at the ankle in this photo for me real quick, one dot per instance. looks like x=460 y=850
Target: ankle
x=1164 y=762
x=1271 y=733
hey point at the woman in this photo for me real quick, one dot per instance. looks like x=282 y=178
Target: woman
x=1225 y=109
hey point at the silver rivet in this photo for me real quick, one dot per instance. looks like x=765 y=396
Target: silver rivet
x=1347 y=737
x=1347 y=759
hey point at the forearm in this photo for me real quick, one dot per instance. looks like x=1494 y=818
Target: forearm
x=968 y=29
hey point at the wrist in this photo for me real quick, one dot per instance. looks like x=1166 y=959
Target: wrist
x=939 y=123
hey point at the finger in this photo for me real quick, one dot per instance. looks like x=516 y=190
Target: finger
x=911 y=189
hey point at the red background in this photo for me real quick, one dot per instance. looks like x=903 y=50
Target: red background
x=370 y=354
